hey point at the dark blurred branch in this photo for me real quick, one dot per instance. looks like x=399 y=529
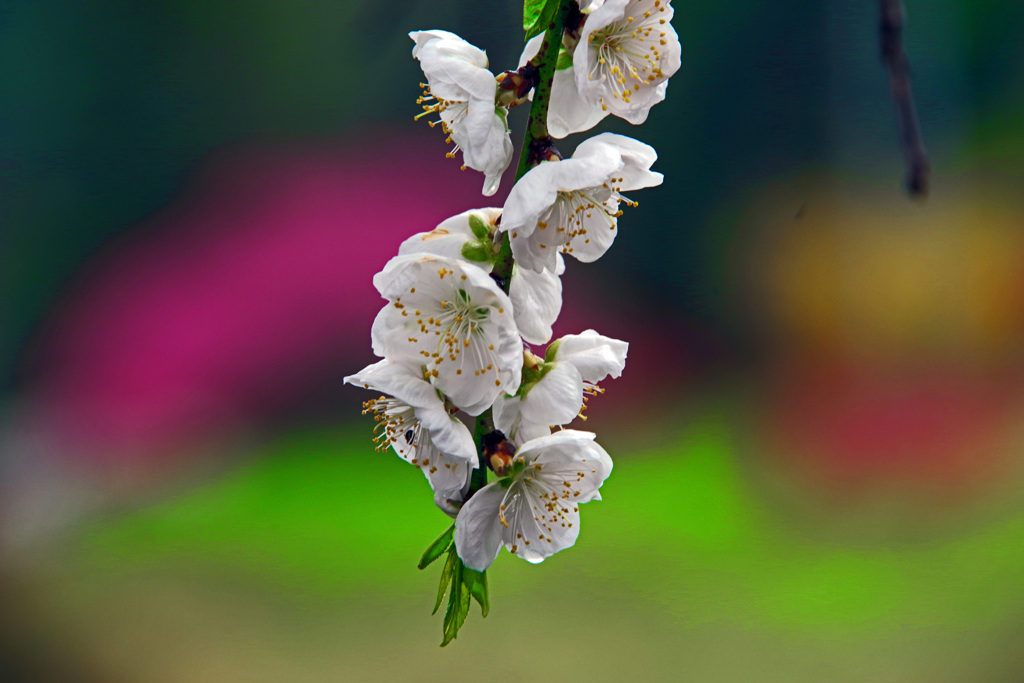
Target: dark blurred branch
x=891 y=36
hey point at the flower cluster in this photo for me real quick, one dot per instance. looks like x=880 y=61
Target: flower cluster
x=470 y=302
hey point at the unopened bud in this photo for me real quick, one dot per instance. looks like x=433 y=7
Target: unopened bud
x=498 y=452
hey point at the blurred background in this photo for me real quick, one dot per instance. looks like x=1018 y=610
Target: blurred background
x=819 y=436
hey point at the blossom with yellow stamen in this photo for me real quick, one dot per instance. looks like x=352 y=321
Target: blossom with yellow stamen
x=555 y=388
x=416 y=424
x=572 y=206
x=462 y=93
x=452 y=318
x=625 y=56
x=534 y=511
x=536 y=296
x=626 y=52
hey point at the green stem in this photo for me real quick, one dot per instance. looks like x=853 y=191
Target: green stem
x=536 y=130
x=484 y=426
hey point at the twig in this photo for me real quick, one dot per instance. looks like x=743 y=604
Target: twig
x=895 y=58
x=536 y=145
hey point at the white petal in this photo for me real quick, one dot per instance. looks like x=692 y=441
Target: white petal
x=478 y=528
x=449 y=434
x=600 y=14
x=636 y=156
x=555 y=400
x=539 y=525
x=507 y=415
x=568 y=111
x=450 y=505
x=531 y=49
x=595 y=356
x=448 y=238
x=536 y=300
x=601 y=232
x=639 y=116
x=455 y=46
x=508 y=419
x=455 y=69
x=485 y=142
x=397 y=380
x=568 y=456
x=447 y=475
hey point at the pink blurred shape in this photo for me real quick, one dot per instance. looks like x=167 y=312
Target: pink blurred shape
x=255 y=288
x=234 y=300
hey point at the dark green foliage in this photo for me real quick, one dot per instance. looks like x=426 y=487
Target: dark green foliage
x=537 y=14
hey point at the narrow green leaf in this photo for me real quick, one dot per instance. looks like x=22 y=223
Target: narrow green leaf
x=438 y=547
x=537 y=14
x=446 y=576
x=564 y=60
x=478 y=226
x=477 y=584
x=458 y=606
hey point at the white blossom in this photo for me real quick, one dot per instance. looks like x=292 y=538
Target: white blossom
x=414 y=422
x=462 y=92
x=451 y=317
x=554 y=390
x=534 y=512
x=621 y=65
x=572 y=205
x=536 y=296
x=536 y=300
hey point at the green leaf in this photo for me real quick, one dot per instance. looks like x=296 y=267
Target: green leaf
x=458 y=605
x=475 y=250
x=446 y=575
x=537 y=14
x=438 y=547
x=478 y=226
x=564 y=59
x=476 y=582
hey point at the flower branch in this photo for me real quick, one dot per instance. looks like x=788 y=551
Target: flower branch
x=898 y=66
x=466 y=300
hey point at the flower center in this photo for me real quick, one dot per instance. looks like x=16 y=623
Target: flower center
x=572 y=211
x=626 y=52
x=459 y=325
x=550 y=497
